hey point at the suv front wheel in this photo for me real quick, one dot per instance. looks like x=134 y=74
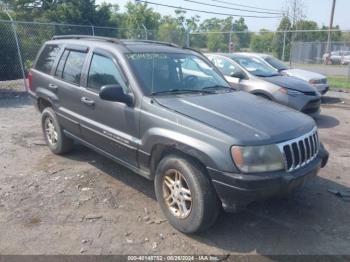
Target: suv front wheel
x=54 y=136
x=185 y=194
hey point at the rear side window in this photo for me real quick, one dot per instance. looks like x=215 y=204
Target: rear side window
x=73 y=67
x=103 y=71
x=47 y=58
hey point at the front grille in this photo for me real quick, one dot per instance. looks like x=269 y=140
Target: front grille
x=300 y=151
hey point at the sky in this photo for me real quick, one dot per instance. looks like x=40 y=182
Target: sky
x=316 y=10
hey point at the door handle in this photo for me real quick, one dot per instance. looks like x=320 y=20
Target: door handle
x=87 y=101
x=53 y=87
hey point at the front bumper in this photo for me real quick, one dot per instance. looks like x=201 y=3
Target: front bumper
x=308 y=104
x=322 y=88
x=238 y=190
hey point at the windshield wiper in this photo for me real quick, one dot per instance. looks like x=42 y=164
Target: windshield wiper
x=267 y=75
x=179 y=91
x=217 y=87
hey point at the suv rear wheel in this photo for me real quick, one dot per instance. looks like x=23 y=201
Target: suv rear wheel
x=185 y=194
x=54 y=136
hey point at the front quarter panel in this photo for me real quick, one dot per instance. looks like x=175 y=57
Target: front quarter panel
x=162 y=126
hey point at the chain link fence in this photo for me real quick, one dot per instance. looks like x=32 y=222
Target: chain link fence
x=304 y=49
x=300 y=49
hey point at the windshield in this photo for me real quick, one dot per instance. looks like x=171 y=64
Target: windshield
x=274 y=62
x=255 y=66
x=162 y=73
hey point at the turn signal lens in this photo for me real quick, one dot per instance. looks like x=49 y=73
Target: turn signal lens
x=283 y=90
x=312 y=81
x=237 y=155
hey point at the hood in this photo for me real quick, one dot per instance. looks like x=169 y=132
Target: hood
x=248 y=119
x=303 y=74
x=291 y=83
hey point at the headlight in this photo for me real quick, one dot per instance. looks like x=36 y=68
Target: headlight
x=288 y=91
x=312 y=81
x=255 y=159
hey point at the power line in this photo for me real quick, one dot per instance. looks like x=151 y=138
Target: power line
x=237 y=9
x=253 y=7
x=207 y=12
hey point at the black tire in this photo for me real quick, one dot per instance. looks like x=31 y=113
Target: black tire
x=63 y=144
x=205 y=206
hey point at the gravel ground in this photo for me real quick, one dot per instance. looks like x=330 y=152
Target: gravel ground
x=83 y=203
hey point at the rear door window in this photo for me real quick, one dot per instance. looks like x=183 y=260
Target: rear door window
x=73 y=67
x=47 y=58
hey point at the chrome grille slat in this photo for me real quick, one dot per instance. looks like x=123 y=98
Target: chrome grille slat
x=315 y=144
x=308 y=148
x=293 y=159
x=312 y=146
x=300 y=151
x=305 y=152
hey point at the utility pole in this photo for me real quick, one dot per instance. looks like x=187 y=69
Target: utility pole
x=329 y=33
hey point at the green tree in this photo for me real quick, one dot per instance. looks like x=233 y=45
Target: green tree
x=9 y=65
x=243 y=38
x=282 y=38
x=138 y=16
x=335 y=35
x=170 y=32
x=262 y=42
x=216 y=42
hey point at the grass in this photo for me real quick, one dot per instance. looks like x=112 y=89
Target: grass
x=339 y=82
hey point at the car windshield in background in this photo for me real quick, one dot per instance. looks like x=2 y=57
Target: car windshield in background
x=274 y=62
x=164 y=73
x=255 y=66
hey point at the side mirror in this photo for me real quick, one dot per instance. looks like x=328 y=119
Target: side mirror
x=238 y=74
x=115 y=93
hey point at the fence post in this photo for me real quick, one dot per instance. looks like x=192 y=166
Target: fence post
x=18 y=49
x=291 y=49
x=349 y=76
x=284 y=45
x=93 y=30
x=187 y=41
x=146 y=33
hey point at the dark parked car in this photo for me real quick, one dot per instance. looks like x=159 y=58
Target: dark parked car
x=169 y=115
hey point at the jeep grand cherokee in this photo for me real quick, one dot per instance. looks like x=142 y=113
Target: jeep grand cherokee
x=169 y=115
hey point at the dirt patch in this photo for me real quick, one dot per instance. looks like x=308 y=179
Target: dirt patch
x=83 y=202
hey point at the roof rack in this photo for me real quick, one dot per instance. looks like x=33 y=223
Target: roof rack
x=107 y=39
x=194 y=50
x=111 y=40
x=152 y=42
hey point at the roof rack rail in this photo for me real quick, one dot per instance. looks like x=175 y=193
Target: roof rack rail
x=153 y=42
x=192 y=49
x=107 y=39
